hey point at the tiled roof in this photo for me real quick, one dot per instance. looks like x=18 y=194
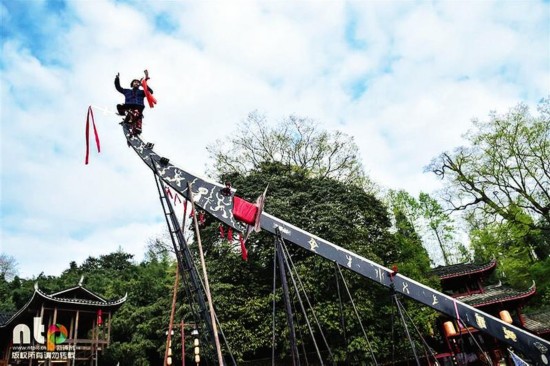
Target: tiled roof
x=463 y=269
x=496 y=294
x=78 y=292
x=71 y=300
x=537 y=322
x=97 y=302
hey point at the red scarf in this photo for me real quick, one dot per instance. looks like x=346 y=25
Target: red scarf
x=150 y=98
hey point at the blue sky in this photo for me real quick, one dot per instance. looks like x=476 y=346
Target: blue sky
x=404 y=78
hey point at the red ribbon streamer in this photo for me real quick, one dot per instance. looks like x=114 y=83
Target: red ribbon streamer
x=230 y=234
x=168 y=192
x=244 y=252
x=90 y=113
x=150 y=98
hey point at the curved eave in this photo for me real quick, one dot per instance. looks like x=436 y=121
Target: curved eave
x=512 y=297
x=484 y=268
x=95 y=303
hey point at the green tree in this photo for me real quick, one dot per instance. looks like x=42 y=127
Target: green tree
x=6 y=301
x=8 y=271
x=8 y=266
x=504 y=242
x=505 y=172
x=512 y=244
x=435 y=226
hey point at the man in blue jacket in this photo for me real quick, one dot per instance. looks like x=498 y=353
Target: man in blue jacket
x=133 y=99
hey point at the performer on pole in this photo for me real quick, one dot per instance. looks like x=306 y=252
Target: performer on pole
x=133 y=105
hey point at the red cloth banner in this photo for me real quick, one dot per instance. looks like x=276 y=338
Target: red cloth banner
x=244 y=211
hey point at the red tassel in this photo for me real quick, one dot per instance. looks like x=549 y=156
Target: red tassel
x=90 y=113
x=168 y=192
x=201 y=218
x=230 y=234
x=222 y=234
x=244 y=252
x=150 y=98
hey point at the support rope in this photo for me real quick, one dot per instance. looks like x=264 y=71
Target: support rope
x=273 y=314
x=341 y=308
x=309 y=304
x=299 y=331
x=284 y=283
x=301 y=304
x=357 y=314
x=478 y=345
x=406 y=329
x=424 y=343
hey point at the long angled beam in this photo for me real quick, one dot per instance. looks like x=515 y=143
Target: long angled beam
x=208 y=197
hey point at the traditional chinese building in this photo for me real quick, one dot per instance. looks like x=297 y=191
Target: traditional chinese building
x=467 y=283
x=71 y=327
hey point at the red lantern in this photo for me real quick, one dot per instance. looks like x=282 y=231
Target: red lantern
x=99 y=318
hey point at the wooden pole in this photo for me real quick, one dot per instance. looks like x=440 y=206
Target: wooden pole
x=75 y=334
x=206 y=285
x=182 y=345
x=170 y=325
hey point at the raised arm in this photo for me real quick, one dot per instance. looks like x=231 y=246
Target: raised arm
x=146 y=72
x=117 y=83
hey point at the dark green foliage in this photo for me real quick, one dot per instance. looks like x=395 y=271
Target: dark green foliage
x=341 y=213
x=540 y=273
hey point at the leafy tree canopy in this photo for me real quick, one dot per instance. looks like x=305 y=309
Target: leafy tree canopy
x=505 y=171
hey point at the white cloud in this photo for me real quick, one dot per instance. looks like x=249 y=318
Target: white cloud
x=426 y=69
